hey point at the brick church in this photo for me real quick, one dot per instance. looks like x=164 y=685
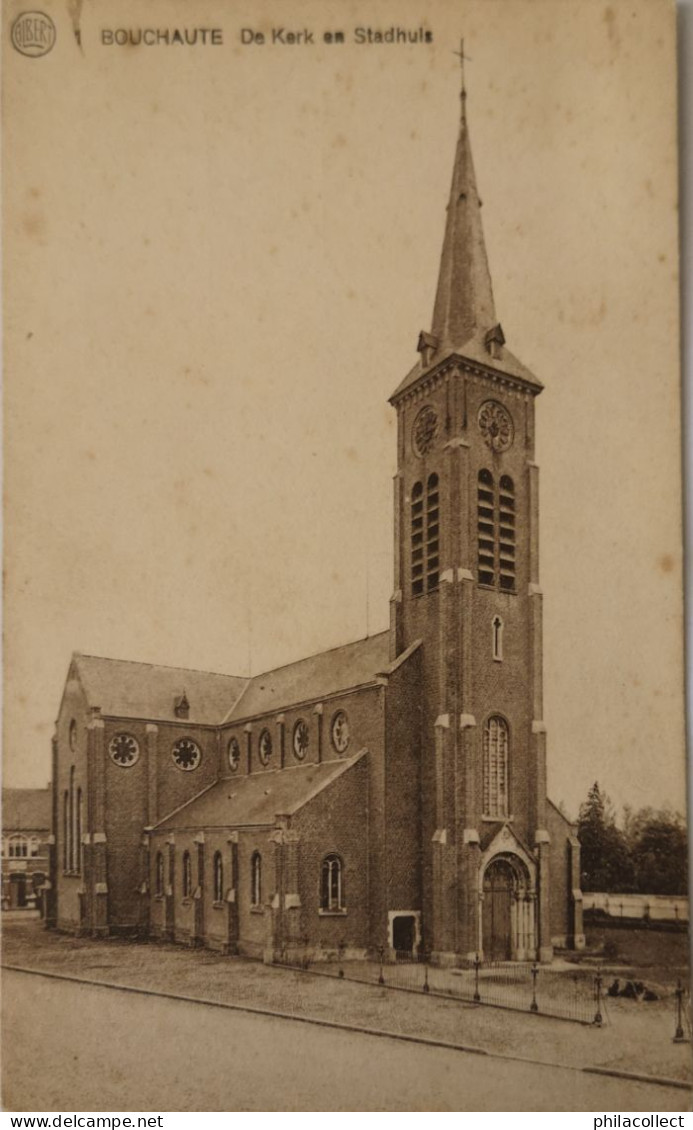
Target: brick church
x=387 y=793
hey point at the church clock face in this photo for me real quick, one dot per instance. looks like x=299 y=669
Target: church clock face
x=340 y=731
x=301 y=739
x=233 y=752
x=496 y=425
x=186 y=754
x=425 y=430
x=123 y=749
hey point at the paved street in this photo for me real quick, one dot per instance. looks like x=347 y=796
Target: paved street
x=109 y=1050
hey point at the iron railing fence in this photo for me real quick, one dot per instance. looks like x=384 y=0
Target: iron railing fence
x=522 y=986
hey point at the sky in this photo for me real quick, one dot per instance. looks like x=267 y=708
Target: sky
x=217 y=264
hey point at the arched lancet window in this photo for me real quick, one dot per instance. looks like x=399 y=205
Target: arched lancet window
x=432 y=533
x=331 y=885
x=78 y=831
x=218 y=877
x=506 y=544
x=159 y=882
x=256 y=879
x=66 y=826
x=34 y=847
x=497 y=637
x=417 y=539
x=187 y=875
x=496 y=767
x=19 y=847
x=486 y=528
x=71 y=835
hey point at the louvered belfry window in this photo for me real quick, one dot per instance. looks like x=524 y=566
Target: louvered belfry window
x=506 y=529
x=495 y=520
x=496 y=767
x=417 y=539
x=432 y=533
x=486 y=528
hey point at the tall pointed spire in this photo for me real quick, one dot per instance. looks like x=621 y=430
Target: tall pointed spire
x=464 y=299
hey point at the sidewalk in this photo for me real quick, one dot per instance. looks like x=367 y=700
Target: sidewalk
x=637 y=1038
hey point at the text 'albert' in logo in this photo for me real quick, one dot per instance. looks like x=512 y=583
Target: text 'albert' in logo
x=33 y=33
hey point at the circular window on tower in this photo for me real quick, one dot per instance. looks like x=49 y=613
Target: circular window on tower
x=186 y=754
x=301 y=739
x=496 y=425
x=340 y=731
x=264 y=747
x=233 y=752
x=425 y=430
x=124 y=749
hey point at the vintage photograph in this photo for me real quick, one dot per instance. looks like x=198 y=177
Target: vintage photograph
x=344 y=718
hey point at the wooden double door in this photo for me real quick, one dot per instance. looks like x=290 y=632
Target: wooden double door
x=499 y=892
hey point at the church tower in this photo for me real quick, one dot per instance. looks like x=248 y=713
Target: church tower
x=467 y=585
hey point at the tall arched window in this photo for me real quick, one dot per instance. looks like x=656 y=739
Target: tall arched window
x=506 y=544
x=496 y=766
x=256 y=879
x=71 y=838
x=218 y=877
x=417 y=539
x=331 y=886
x=78 y=831
x=187 y=875
x=159 y=887
x=486 y=528
x=432 y=533
x=66 y=833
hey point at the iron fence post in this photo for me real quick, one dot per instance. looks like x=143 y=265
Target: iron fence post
x=381 y=955
x=598 y=987
x=340 y=951
x=426 y=987
x=679 y=1037
x=477 y=966
x=534 y=1007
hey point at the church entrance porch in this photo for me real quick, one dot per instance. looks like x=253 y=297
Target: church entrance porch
x=507 y=912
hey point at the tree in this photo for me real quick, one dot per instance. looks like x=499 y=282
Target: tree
x=659 y=850
x=605 y=859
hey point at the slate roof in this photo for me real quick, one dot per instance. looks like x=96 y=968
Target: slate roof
x=505 y=363
x=26 y=810
x=255 y=800
x=144 y=690
x=350 y=665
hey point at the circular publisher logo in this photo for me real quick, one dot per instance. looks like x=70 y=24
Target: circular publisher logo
x=33 y=34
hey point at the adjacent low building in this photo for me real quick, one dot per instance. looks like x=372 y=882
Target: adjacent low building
x=26 y=834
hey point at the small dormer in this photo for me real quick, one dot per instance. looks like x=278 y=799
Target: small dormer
x=494 y=339
x=426 y=346
x=181 y=706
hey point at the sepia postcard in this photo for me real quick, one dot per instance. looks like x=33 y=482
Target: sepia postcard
x=344 y=749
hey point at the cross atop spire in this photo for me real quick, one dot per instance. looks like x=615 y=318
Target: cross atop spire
x=464 y=306
x=463 y=89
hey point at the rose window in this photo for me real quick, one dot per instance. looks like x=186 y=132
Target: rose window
x=301 y=739
x=186 y=754
x=123 y=749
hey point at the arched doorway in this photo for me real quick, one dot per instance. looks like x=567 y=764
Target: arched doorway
x=499 y=882
x=508 y=921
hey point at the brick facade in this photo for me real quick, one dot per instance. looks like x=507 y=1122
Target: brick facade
x=390 y=793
